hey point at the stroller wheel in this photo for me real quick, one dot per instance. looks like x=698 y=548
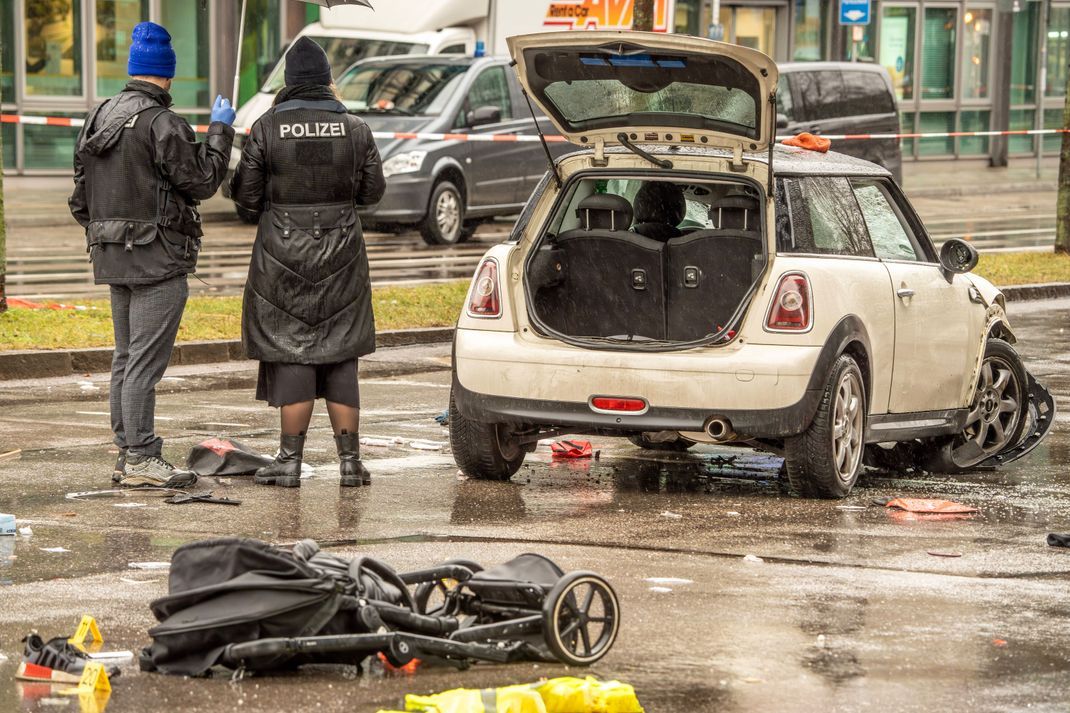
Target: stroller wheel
x=580 y=618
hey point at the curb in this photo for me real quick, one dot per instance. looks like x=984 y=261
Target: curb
x=50 y=220
x=1045 y=291
x=44 y=363
x=981 y=189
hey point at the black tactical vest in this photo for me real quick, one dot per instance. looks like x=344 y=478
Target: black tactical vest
x=311 y=154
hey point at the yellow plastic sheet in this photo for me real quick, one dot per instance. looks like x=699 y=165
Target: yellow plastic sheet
x=557 y=695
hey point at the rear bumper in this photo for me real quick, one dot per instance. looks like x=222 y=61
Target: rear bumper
x=503 y=377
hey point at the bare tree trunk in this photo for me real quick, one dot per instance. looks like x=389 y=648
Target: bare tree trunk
x=1062 y=204
x=643 y=15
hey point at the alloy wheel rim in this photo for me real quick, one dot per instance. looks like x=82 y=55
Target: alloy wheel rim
x=996 y=407
x=448 y=215
x=847 y=426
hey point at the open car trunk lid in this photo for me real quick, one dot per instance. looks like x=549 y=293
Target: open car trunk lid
x=656 y=88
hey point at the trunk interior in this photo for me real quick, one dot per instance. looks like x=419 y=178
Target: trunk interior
x=638 y=260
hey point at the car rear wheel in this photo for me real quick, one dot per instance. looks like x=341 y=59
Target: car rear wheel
x=825 y=460
x=444 y=223
x=678 y=446
x=997 y=415
x=486 y=451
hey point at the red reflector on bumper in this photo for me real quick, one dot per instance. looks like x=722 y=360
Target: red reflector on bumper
x=610 y=403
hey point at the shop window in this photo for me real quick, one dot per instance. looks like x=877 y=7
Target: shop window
x=53 y=41
x=809 y=29
x=115 y=21
x=686 y=19
x=755 y=27
x=50 y=147
x=261 y=46
x=9 y=133
x=7 y=51
x=936 y=122
x=1023 y=59
x=938 y=53
x=973 y=121
x=906 y=126
x=897 y=48
x=1058 y=51
x=188 y=24
x=1021 y=120
x=976 y=45
x=1053 y=119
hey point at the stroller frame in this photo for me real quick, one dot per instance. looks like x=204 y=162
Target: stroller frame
x=498 y=621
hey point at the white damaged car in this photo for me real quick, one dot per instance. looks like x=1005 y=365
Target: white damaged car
x=683 y=280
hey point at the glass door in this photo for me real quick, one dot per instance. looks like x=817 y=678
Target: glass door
x=52 y=38
x=753 y=26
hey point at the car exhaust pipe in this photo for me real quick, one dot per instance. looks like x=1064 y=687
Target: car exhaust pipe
x=719 y=429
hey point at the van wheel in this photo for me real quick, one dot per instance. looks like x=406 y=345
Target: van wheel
x=678 y=446
x=247 y=216
x=486 y=451
x=825 y=460
x=444 y=223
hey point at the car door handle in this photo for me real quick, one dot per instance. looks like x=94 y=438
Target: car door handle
x=904 y=292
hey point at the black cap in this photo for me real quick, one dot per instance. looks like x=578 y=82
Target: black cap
x=306 y=63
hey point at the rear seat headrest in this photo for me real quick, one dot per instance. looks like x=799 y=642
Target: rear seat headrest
x=604 y=211
x=736 y=210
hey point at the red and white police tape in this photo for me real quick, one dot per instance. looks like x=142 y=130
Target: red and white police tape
x=513 y=138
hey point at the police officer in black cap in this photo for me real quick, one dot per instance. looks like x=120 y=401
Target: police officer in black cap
x=307 y=313
x=139 y=173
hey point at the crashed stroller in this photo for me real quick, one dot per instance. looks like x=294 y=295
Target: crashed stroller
x=251 y=607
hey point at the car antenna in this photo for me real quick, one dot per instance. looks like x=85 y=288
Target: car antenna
x=626 y=143
x=542 y=138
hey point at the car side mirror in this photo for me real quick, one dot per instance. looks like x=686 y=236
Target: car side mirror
x=483 y=115
x=958 y=256
x=781 y=121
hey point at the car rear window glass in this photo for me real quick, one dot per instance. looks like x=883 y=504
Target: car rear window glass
x=822 y=93
x=866 y=93
x=588 y=90
x=891 y=241
x=823 y=218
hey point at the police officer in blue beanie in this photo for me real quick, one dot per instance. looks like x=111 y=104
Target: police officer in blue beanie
x=139 y=174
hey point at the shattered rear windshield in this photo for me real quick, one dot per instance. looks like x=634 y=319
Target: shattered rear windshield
x=603 y=88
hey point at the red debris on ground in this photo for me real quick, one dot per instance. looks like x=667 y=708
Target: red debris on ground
x=571 y=449
x=925 y=506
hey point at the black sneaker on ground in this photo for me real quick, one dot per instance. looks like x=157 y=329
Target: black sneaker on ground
x=56 y=661
x=120 y=467
x=154 y=472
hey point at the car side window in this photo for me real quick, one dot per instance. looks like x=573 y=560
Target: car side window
x=453 y=49
x=822 y=218
x=491 y=88
x=890 y=237
x=784 y=103
x=866 y=93
x=822 y=93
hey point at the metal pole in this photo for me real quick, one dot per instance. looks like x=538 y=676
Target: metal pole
x=237 y=64
x=1042 y=81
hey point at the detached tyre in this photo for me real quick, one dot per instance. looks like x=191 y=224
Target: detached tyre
x=825 y=460
x=486 y=451
x=678 y=446
x=997 y=415
x=444 y=223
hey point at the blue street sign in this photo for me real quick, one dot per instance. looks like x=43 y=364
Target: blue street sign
x=854 y=12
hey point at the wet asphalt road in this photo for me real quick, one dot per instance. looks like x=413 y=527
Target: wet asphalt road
x=846 y=611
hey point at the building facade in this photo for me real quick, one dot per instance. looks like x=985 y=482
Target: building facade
x=958 y=65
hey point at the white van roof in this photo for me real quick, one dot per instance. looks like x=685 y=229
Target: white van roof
x=392 y=16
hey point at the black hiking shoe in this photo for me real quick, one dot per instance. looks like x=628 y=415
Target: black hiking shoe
x=56 y=661
x=154 y=472
x=285 y=472
x=120 y=467
x=353 y=472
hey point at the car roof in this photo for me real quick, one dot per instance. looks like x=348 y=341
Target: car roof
x=787 y=160
x=787 y=67
x=462 y=59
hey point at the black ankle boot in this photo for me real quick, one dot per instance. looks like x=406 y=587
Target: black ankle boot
x=353 y=471
x=286 y=470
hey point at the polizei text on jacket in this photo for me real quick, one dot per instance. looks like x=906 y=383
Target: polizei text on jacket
x=312 y=130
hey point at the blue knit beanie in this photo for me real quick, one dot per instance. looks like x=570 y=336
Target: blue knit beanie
x=151 y=53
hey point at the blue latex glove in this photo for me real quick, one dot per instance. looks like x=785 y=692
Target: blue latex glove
x=223 y=111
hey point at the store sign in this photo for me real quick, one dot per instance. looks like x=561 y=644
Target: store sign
x=854 y=12
x=604 y=14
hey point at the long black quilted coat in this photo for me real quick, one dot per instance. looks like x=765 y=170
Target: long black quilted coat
x=305 y=167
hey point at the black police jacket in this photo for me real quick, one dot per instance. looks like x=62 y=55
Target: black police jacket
x=139 y=174
x=305 y=168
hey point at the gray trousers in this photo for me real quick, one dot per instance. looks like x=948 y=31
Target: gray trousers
x=146 y=319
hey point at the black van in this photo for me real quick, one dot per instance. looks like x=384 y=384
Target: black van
x=842 y=98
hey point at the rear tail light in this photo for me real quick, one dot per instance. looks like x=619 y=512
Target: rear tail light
x=486 y=293
x=618 y=404
x=791 y=309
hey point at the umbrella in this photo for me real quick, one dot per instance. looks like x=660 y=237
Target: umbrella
x=241 y=31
